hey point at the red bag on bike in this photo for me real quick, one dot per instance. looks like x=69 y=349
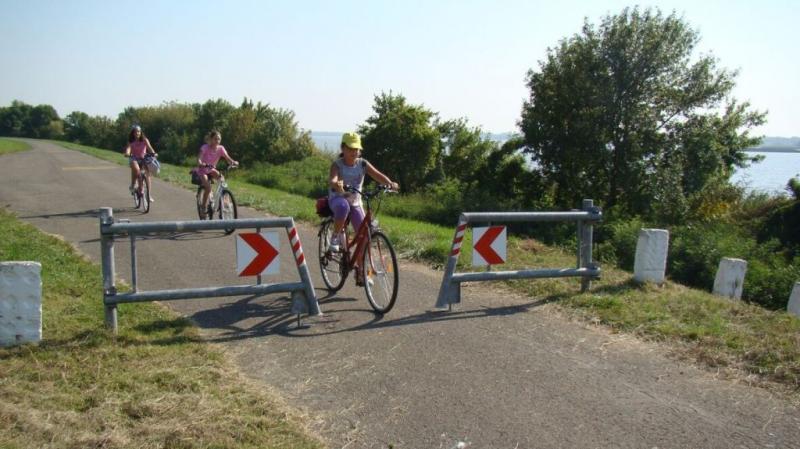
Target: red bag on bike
x=323 y=210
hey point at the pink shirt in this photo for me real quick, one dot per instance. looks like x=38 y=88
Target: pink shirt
x=138 y=148
x=210 y=155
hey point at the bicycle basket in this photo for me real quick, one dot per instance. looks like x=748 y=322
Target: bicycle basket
x=155 y=166
x=323 y=209
x=195 y=177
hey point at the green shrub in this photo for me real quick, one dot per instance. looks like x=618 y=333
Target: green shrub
x=308 y=177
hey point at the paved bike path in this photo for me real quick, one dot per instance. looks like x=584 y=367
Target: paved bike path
x=502 y=371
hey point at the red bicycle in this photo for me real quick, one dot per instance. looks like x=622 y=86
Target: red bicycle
x=369 y=253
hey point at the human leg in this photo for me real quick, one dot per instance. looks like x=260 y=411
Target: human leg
x=340 y=208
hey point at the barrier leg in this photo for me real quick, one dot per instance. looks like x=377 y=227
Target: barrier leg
x=309 y=303
x=450 y=292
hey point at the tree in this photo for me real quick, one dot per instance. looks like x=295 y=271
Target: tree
x=620 y=113
x=401 y=140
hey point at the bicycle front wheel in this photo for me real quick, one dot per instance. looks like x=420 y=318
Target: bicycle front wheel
x=227 y=208
x=332 y=265
x=199 y=197
x=381 y=276
x=145 y=196
x=137 y=198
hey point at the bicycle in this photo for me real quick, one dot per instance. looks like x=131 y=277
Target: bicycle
x=141 y=194
x=220 y=201
x=369 y=248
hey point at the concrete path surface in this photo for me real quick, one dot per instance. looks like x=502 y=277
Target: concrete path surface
x=500 y=371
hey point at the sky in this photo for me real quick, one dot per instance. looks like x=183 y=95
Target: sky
x=327 y=60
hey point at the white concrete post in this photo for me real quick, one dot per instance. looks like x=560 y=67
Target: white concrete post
x=20 y=303
x=650 y=264
x=794 y=301
x=730 y=278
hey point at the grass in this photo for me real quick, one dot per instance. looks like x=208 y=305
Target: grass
x=155 y=384
x=12 y=146
x=699 y=326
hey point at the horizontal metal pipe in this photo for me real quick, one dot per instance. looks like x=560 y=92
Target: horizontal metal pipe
x=525 y=274
x=209 y=292
x=480 y=217
x=195 y=225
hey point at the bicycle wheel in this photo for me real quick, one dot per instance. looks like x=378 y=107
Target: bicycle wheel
x=332 y=265
x=199 y=198
x=145 y=198
x=137 y=198
x=380 y=273
x=227 y=209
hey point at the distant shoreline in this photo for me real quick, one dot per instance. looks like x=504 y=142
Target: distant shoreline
x=773 y=150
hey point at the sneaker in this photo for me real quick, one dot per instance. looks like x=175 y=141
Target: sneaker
x=152 y=200
x=360 y=280
x=334 y=245
x=130 y=189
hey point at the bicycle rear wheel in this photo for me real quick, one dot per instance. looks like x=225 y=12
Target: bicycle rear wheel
x=227 y=208
x=381 y=276
x=332 y=265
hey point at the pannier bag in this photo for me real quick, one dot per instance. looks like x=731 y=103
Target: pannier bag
x=323 y=210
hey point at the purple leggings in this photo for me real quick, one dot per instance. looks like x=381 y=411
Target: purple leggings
x=341 y=208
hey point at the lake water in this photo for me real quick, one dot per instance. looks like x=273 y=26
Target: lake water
x=770 y=175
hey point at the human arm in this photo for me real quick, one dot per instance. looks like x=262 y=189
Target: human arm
x=333 y=179
x=127 y=151
x=380 y=178
x=228 y=159
x=149 y=147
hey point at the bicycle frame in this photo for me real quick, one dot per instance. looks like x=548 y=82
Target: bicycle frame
x=360 y=240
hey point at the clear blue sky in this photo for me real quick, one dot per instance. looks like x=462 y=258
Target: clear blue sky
x=326 y=60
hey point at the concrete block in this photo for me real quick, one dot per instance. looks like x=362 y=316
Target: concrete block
x=20 y=303
x=794 y=301
x=730 y=278
x=650 y=264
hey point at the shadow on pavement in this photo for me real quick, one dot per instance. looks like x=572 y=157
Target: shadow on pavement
x=251 y=317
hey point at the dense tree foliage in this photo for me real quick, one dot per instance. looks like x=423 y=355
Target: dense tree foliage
x=252 y=132
x=625 y=114
x=402 y=140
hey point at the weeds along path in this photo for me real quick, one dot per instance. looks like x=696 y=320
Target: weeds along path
x=500 y=371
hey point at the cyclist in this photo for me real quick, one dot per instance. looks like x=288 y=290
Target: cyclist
x=349 y=169
x=210 y=154
x=139 y=153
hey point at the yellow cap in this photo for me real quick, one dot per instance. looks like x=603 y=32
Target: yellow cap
x=352 y=140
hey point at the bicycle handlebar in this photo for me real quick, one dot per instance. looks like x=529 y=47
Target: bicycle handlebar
x=378 y=190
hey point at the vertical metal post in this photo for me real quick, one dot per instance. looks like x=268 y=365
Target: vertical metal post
x=585 y=244
x=450 y=292
x=579 y=251
x=107 y=261
x=302 y=270
x=133 y=262
x=258 y=277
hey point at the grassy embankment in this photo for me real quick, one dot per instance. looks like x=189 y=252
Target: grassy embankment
x=712 y=331
x=12 y=146
x=156 y=384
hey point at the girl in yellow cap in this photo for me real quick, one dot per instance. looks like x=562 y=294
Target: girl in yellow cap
x=349 y=170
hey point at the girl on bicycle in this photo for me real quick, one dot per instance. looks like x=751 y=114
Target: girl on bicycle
x=139 y=153
x=210 y=154
x=349 y=170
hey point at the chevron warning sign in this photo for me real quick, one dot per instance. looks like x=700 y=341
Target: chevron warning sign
x=490 y=246
x=257 y=253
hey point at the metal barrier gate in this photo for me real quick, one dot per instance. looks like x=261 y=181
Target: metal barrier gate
x=450 y=291
x=304 y=299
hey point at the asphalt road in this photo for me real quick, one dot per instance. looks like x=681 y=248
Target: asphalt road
x=501 y=371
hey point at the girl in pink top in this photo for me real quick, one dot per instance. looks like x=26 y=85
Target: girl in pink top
x=137 y=150
x=210 y=154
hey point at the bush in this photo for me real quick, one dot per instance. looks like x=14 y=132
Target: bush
x=617 y=242
x=696 y=250
x=308 y=177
